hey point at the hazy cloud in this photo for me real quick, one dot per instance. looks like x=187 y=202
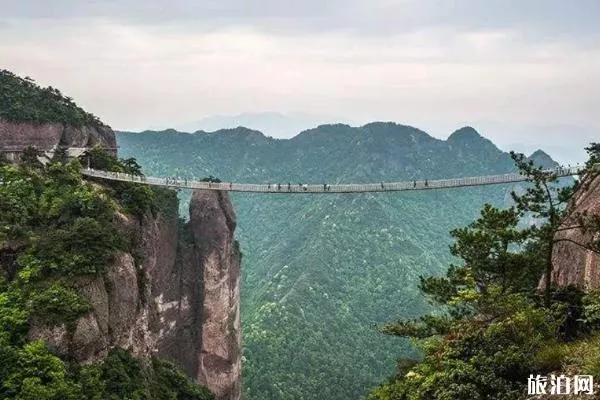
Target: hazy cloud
x=503 y=66
x=541 y=18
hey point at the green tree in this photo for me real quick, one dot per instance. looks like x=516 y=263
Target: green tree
x=30 y=157
x=38 y=375
x=132 y=166
x=61 y=155
x=593 y=163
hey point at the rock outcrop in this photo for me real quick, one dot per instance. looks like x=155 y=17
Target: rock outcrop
x=212 y=223
x=175 y=295
x=200 y=308
x=124 y=313
x=46 y=137
x=573 y=263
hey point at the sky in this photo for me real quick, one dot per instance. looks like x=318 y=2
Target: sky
x=524 y=73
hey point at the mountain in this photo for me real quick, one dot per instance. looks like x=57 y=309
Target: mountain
x=320 y=273
x=539 y=157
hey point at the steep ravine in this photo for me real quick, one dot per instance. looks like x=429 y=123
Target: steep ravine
x=176 y=295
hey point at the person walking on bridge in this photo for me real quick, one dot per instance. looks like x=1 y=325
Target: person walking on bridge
x=426 y=183
x=414 y=184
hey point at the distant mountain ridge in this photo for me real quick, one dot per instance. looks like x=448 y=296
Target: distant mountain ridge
x=273 y=124
x=320 y=273
x=373 y=145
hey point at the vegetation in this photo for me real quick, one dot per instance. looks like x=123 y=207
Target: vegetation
x=32 y=372
x=55 y=227
x=22 y=100
x=137 y=199
x=211 y=179
x=494 y=328
x=123 y=377
x=321 y=273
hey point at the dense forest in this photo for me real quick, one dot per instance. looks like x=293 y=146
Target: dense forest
x=57 y=228
x=22 y=100
x=322 y=273
x=494 y=325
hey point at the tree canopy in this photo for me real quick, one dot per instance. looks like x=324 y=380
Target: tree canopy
x=22 y=100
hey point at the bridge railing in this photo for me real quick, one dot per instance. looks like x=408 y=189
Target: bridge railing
x=326 y=188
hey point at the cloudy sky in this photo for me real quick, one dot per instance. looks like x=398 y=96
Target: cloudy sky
x=523 y=72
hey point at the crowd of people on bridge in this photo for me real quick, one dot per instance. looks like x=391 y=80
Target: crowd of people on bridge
x=174 y=181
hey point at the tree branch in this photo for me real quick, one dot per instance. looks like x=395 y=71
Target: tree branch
x=568 y=228
x=586 y=247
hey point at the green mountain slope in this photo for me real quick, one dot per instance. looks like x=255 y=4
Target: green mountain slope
x=321 y=273
x=22 y=100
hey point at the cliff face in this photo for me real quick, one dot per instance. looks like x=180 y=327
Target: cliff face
x=47 y=137
x=124 y=314
x=218 y=364
x=176 y=295
x=572 y=263
x=200 y=308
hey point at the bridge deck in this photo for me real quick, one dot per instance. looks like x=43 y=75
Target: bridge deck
x=325 y=189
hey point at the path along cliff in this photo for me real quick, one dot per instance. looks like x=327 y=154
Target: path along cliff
x=16 y=135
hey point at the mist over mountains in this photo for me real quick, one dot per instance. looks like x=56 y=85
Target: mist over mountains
x=321 y=273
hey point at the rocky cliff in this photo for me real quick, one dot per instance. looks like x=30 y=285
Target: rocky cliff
x=172 y=289
x=214 y=248
x=200 y=308
x=176 y=295
x=48 y=136
x=574 y=264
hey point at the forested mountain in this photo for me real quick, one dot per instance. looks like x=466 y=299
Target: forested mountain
x=22 y=100
x=321 y=273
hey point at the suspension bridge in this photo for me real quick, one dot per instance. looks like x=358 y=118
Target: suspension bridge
x=328 y=188
x=300 y=188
